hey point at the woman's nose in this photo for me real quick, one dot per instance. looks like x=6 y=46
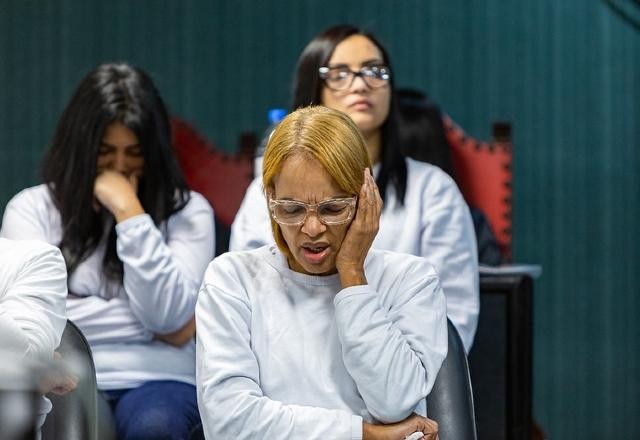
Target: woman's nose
x=312 y=225
x=359 y=84
x=120 y=163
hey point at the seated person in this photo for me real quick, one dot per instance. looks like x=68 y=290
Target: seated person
x=423 y=138
x=33 y=291
x=136 y=242
x=319 y=336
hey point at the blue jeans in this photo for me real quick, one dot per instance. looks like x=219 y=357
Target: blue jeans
x=156 y=410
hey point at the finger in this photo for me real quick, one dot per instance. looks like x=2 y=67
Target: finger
x=134 y=179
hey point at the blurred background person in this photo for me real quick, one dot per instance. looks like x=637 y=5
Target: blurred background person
x=33 y=291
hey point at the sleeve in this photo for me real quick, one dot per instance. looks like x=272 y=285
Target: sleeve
x=162 y=278
x=230 y=399
x=393 y=349
x=251 y=227
x=449 y=243
x=32 y=311
x=24 y=218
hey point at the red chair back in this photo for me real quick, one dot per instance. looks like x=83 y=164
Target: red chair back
x=222 y=179
x=484 y=173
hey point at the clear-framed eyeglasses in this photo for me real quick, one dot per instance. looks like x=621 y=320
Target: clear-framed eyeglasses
x=329 y=212
x=341 y=77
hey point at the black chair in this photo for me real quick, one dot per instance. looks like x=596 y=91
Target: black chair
x=501 y=359
x=450 y=402
x=75 y=415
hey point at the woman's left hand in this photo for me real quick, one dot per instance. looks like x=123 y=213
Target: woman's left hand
x=360 y=235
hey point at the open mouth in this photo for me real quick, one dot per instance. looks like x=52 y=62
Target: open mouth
x=315 y=254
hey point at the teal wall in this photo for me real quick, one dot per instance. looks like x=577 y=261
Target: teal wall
x=564 y=72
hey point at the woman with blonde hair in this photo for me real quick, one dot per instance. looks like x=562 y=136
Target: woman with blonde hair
x=319 y=336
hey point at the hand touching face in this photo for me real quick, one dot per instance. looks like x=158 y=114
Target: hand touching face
x=361 y=233
x=119 y=167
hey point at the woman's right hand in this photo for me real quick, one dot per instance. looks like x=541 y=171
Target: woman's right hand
x=118 y=193
x=401 y=430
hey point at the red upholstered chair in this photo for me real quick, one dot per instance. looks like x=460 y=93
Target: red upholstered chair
x=221 y=178
x=484 y=172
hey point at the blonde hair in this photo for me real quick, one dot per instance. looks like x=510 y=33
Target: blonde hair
x=325 y=134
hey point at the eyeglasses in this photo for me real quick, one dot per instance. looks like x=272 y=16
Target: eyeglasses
x=329 y=212
x=341 y=78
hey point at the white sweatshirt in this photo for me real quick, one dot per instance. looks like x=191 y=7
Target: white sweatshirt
x=434 y=223
x=33 y=290
x=163 y=268
x=284 y=355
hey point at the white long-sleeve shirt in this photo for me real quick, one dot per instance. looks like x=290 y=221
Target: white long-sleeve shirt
x=434 y=223
x=284 y=355
x=163 y=269
x=33 y=290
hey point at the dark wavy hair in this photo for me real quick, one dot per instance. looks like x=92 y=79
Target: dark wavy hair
x=114 y=92
x=421 y=132
x=307 y=89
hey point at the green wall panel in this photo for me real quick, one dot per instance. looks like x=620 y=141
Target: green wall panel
x=564 y=72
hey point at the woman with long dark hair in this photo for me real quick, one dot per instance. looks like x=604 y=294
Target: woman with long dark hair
x=135 y=241
x=424 y=213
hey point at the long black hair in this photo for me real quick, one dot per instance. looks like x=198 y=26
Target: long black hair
x=421 y=132
x=114 y=92
x=307 y=89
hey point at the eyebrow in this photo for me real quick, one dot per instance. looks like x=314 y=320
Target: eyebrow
x=369 y=62
x=289 y=199
x=105 y=144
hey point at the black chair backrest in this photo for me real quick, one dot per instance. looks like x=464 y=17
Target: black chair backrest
x=74 y=415
x=450 y=402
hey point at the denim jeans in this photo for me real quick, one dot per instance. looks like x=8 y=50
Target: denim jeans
x=156 y=410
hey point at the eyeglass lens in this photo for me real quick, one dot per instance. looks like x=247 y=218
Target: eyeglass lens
x=329 y=212
x=341 y=78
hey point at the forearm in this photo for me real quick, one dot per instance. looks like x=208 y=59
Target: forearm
x=181 y=336
x=14 y=338
x=244 y=414
x=162 y=281
x=390 y=375
x=33 y=306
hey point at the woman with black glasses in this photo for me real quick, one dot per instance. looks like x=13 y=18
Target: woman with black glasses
x=319 y=336
x=424 y=213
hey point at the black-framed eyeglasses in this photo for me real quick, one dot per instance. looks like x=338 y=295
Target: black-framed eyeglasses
x=341 y=78
x=329 y=212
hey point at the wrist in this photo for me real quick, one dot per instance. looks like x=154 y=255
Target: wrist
x=369 y=431
x=366 y=431
x=350 y=276
x=128 y=211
